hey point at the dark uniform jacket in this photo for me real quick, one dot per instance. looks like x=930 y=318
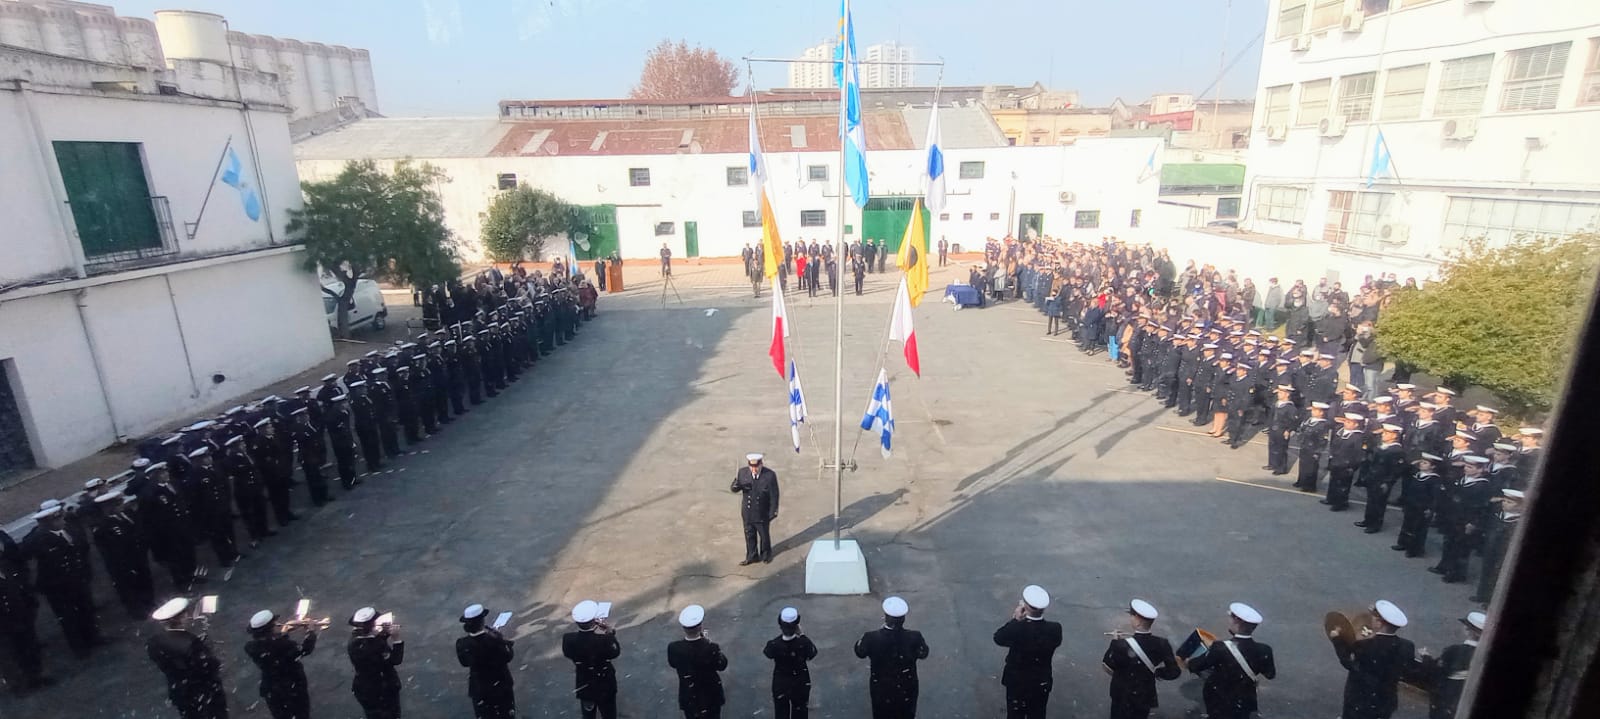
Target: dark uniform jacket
x=1132 y=683
x=1447 y=676
x=698 y=662
x=278 y=658
x=1376 y=665
x=374 y=660
x=760 y=494
x=1314 y=435
x=1345 y=449
x=188 y=664
x=1420 y=490
x=894 y=654
x=487 y=656
x=1387 y=465
x=1285 y=417
x=1231 y=689
x=591 y=654
x=1032 y=643
x=789 y=657
x=18 y=607
x=62 y=563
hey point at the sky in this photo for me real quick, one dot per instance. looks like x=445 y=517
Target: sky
x=460 y=57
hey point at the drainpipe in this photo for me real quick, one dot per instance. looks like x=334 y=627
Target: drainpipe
x=79 y=298
x=63 y=214
x=183 y=339
x=250 y=136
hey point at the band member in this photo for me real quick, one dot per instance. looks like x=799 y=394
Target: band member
x=1448 y=673
x=61 y=574
x=1235 y=666
x=277 y=655
x=1136 y=662
x=374 y=653
x=487 y=656
x=759 y=485
x=194 y=675
x=1376 y=664
x=591 y=650
x=791 y=679
x=1313 y=440
x=698 y=661
x=894 y=652
x=1031 y=641
x=1418 y=494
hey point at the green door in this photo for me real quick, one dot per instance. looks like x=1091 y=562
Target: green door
x=691 y=238
x=110 y=200
x=602 y=240
x=885 y=218
x=1030 y=225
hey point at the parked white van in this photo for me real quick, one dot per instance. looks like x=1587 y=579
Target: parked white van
x=368 y=308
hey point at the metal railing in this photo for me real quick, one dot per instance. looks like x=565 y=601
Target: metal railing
x=123 y=243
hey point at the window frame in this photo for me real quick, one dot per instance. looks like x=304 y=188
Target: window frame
x=750 y=218
x=1327 y=12
x=738 y=176
x=671 y=229
x=1355 y=101
x=813 y=174
x=1291 y=19
x=1283 y=112
x=1589 y=82
x=1238 y=206
x=500 y=181
x=1471 y=217
x=1135 y=217
x=1282 y=203
x=1359 y=214
x=1303 y=116
x=1086 y=220
x=1450 y=99
x=1393 y=99
x=971 y=170
x=635 y=179
x=813 y=218
x=1534 y=92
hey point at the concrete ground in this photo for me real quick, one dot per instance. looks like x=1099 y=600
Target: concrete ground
x=603 y=475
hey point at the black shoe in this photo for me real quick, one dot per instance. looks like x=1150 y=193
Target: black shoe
x=1361 y=523
x=1454 y=580
x=1339 y=509
x=1397 y=547
x=1279 y=472
x=1323 y=501
x=1435 y=570
x=746 y=562
x=1418 y=555
x=1269 y=468
x=1372 y=530
x=766 y=560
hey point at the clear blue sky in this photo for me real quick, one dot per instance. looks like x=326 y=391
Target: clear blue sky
x=458 y=57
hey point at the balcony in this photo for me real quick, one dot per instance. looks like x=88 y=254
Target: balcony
x=124 y=235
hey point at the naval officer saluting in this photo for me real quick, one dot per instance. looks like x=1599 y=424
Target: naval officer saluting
x=760 y=506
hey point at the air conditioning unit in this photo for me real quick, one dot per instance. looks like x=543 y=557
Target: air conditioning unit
x=1460 y=128
x=1479 y=2
x=1331 y=126
x=1394 y=233
x=1277 y=132
x=1066 y=197
x=1352 y=22
x=1300 y=43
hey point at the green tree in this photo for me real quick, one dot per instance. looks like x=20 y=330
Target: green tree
x=1504 y=318
x=369 y=224
x=520 y=220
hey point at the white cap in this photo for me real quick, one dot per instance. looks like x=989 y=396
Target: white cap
x=1227 y=355
x=789 y=615
x=1405 y=386
x=1531 y=430
x=1504 y=446
x=753 y=457
x=142 y=462
x=95 y=483
x=1383 y=399
x=586 y=611
x=1431 y=457
x=1320 y=405
x=1354 y=416
x=1446 y=391
x=1475 y=459
x=473 y=611
x=1143 y=609
x=692 y=616
x=1513 y=493
x=895 y=607
x=199 y=452
x=172 y=608
x=261 y=619
x=1391 y=613
x=1244 y=613
x=1036 y=596
x=46 y=513
x=1392 y=427
x=1490 y=410
x=1325 y=356
x=1352 y=388
x=49 y=504
x=232 y=440
x=364 y=615
x=114 y=495
x=329 y=377
x=1476 y=620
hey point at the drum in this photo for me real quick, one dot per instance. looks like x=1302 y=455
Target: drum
x=1195 y=645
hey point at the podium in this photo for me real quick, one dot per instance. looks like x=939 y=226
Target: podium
x=836 y=569
x=613 y=277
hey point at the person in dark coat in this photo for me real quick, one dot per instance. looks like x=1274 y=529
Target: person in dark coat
x=1468 y=513
x=61 y=574
x=374 y=653
x=1135 y=663
x=894 y=652
x=592 y=648
x=310 y=448
x=1376 y=664
x=194 y=675
x=1383 y=470
x=364 y=417
x=791 y=679
x=1313 y=433
x=1031 y=642
x=341 y=436
x=1447 y=675
x=1283 y=420
x=759 y=485
x=1241 y=395
x=487 y=656
x=1345 y=454
x=1418 y=496
x=1496 y=540
x=249 y=488
x=212 y=496
x=283 y=678
x=1233 y=667
x=126 y=554
x=698 y=662
x=170 y=527
x=19 y=636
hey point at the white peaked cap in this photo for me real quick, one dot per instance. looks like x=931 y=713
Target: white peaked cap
x=1391 y=613
x=114 y=495
x=1392 y=427
x=1036 y=596
x=1513 y=493
x=789 y=615
x=1245 y=613
x=1143 y=609
x=49 y=504
x=753 y=457
x=364 y=615
x=1475 y=620
x=895 y=607
x=692 y=616
x=172 y=608
x=586 y=611
x=261 y=619
x=472 y=611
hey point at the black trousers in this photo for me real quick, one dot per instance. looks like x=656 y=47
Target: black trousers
x=278 y=497
x=755 y=532
x=1185 y=396
x=605 y=708
x=288 y=702
x=371 y=446
x=314 y=481
x=74 y=610
x=22 y=651
x=457 y=391
x=224 y=539
x=791 y=704
x=1202 y=408
x=1458 y=546
x=253 y=510
x=1123 y=710
x=344 y=457
x=389 y=434
x=901 y=709
x=383 y=705
x=1026 y=704
x=178 y=556
x=503 y=706
x=1236 y=426
x=1310 y=474
x=1339 y=481
x=713 y=713
x=204 y=702
x=1377 y=503
x=1278 y=451
x=1414 y=530
x=134 y=586
x=475 y=387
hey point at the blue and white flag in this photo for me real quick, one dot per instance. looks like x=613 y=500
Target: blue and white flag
x=1149 y=170
x=851 y=133
x=880 y=413
x=935 y=171
x=797 y=405
x=233 y=176
x=1380 y=159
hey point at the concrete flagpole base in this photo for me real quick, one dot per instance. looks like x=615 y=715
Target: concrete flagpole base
x=836 y=569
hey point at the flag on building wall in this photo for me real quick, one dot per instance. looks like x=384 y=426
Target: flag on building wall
x=900 y=328
x=934 y=172
x=880 y=414
x=1380 y=159
x=851 y=133
x=771 y=244
x=797 y=405
x=913 y=258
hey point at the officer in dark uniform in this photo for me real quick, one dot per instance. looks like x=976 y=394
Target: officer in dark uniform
x=126 y=554
x=489 y=359
x=472 y=368
x=274 y=458
x=858 y=269
x=1469 y=514
x=759 y=485
x=170 y=526
x=487 y=656
x=1447 y=675
x=1241 y=395
x=592 y=648
x=364 y=416
x=698 y=661
x=1136 y=662
x=422 y=395
x=384 y=412
x=791 y=678
x=374 y=653
x=249 y=488
x=1376 y=664
x=194 y=675
x=283 y=678
x=440 y=371
x=19 y=637
x=310 y=447
x=1345 y=455
x=894 y=652
x=1285 y=417
x=406 y=404
x=1235 y=666
x=1031 y=642
x=1496 y=540
x=1426 y=434
x=455 y=370
x=1384 y=469
x=61 y=574
x=1418 y=496
x=212 y=496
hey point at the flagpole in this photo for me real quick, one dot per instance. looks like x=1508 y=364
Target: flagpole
x=838 y=315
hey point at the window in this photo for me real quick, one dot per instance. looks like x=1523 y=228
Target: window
x=1291 y=18
x=813 y=218
x=1086 y=219
x=1355 y=96
x=1589 y=92
x=1281 y=203
x=751 y=218
x=1277 y=106
x=817 y=173
x=1373 y=7
x=1462 y=85
x=738 y=176
x=966 y=215
x=1134 y=217
x=639 y=177
x=108 y=194
x=1533 y=77
x=1313 y=102
x=971 y=170
x=944 y=216
x=1011 y=141
x=1402 y=92
x=665 y=228
x=994 y=215
x=1354 y=217
x=1501 y=221
x=507 y=181
x=1326 y=14
x=1227 y=208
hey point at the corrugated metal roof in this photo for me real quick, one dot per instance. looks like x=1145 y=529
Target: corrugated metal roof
x=959 y=127
x=402 y=137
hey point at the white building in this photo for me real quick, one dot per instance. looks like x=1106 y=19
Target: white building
x=147 y=274
x=813 y=74
x=886 y=76
x=1489 y=112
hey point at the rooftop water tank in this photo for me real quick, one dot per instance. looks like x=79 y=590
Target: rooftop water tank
x=193 y=35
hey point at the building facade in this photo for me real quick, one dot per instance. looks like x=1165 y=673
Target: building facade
x=813 y=74
x=147 y=274
x=1404 y=129
x=887 y=75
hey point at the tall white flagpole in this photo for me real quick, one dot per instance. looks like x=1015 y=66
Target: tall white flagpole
x=838 y=253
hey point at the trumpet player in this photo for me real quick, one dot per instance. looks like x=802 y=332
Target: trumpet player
x=194 y=675
x=375 y=650
x=278 y=655
x=1031 y=641
x=1136 y=661
x=487 y=657
x=591 y=649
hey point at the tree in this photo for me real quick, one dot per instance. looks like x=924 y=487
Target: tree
x=1503 y=318
x=368 y=224
x=520 y=220
x=677 y=72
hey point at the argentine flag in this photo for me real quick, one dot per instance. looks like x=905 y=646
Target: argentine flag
x=880 y=413
x=851 y=133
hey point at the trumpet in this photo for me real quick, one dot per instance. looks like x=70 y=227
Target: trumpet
x=308 y=623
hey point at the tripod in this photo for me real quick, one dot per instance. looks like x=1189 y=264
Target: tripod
x=667 y=283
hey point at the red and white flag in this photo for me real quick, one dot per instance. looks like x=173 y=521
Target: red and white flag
x=780 y=331
x=900 y=328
